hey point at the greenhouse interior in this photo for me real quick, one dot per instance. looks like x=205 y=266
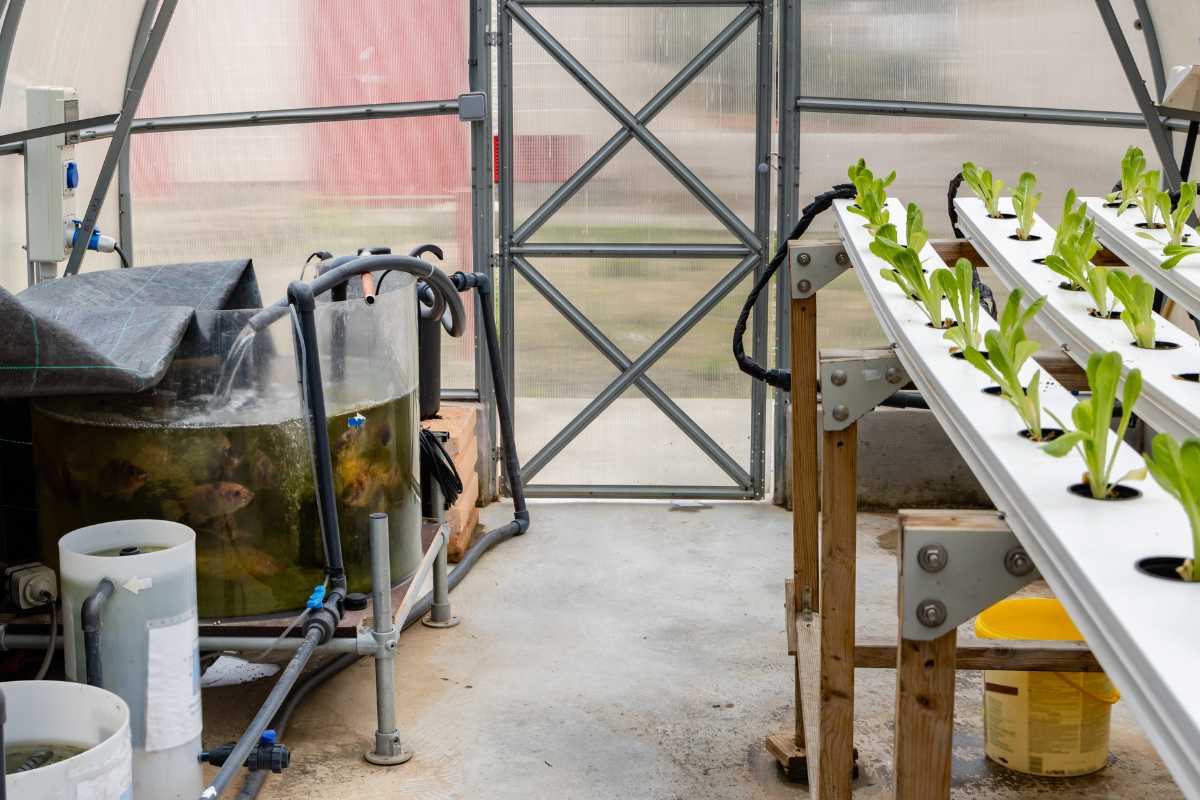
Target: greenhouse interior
x=770 y=388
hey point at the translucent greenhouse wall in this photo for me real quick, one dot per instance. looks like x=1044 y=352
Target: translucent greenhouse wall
x=273 y=194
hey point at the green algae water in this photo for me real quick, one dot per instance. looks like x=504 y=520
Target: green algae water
x=246 y=489
x=22 y=757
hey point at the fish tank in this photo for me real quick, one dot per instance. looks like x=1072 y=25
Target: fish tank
x=222 y=445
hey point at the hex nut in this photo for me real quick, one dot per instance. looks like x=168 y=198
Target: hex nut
x=841 y=413
x=933 y=558
x=841 y=259
x=804 y=259
x=838 y=377
x=804 y=286
x=1018 y=562
x=893 y=375
x=931 y=613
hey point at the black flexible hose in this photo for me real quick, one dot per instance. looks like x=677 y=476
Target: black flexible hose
x=779 y=378
x=121 y=254
x=986 y=298
x=440 y=467
x=89 y=623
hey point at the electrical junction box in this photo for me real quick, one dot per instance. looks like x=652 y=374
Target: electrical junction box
x=51 y=173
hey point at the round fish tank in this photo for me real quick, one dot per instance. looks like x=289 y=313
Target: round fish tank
x=222 y=445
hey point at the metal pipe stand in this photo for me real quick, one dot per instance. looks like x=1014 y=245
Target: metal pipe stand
x=389 y=750
x=439 y=615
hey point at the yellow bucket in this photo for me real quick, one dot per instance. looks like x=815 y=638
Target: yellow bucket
x=1043 y=723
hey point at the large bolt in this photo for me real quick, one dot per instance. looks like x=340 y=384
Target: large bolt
x=893 y=375
x=838 y=377
x=804 y=286
x=1018 y=562
x=931 y=613
x=804 y=259
x=841 y=413
x=933 y=558
x=841 y=258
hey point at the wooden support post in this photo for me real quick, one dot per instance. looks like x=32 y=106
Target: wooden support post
x=839 y=522
x=805 y=473
x=924 y=718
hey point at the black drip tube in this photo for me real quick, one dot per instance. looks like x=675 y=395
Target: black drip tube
x=89 y=623
x=460 y=281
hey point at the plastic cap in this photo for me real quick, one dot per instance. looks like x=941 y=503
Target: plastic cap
x=356 y=421
x=268 y=736
x=317 y=598
x=356 y=601
x=72 y=175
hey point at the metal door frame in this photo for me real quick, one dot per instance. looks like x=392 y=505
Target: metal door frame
x=515 y=250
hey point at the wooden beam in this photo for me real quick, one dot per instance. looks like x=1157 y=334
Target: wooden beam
x=805 y=472
x=953 y=249
x=875 y=653
x=839 y=523
x=921 y=753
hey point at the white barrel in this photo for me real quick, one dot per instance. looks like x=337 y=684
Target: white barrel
x=49 y=714
x=150 y=646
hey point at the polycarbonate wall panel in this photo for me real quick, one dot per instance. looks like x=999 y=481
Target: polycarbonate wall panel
x=999 y=52
x=48 y=53
x=276 y=194
x=1177 y=23
x=557 y=127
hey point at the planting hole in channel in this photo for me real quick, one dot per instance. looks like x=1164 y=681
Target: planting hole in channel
x=1163 y=567
x=1067 y=286
x=961 y=355
x=1190 y=377
x=1159 y=344
x=1115 y=493
x=943 y=326
x=1041 y=261
x=1003 y=215
x=1112 y=205
x=1033 y=237
x=1048 y=434
x=1110 y=315
x=1157 y=226
x=994 y=391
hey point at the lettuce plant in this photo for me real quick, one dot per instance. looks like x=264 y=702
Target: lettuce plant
x=1133 y=167
x=1150 y=198
x=1074 y=262
x=1073 y=217
x=1093 y=417
x=1137 y=296
x=870 y=201
x=1178 y=252
x=1175 y=220
x=1008 y=349
x=1025 y=202
x=985 y=187
x=1176 y=468
x=963 y=296
x=905 y=259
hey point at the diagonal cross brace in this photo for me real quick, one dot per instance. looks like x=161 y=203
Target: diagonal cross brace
x=622 y=362
x=605 y=98
x=648 y=112
x=642 y=363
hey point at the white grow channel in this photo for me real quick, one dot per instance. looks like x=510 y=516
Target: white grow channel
x=1168 y=403
x=1142 y=629
x=1120 y=235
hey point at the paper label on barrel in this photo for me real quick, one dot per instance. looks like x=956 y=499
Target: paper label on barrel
x=172 y=683
x=110 y=779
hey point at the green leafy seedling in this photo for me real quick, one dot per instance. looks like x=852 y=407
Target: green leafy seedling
x=1175 y=219
x=905 y=259
x=1133 y=167
x=1025 y=202
x=1093 y=417
x=1151 y=198
x=963 y=296
x=1176 y=468
x=1178 y=252
x=870 y=200
x=1073 y=261
x=1008 y=349
x=1073 y=217
x=1137 y=296
x=986 y=187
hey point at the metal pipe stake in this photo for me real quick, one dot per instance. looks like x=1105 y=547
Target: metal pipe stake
x=388 y=748
x=439 y=612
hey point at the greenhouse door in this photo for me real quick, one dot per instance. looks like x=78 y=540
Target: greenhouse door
x=629 y=238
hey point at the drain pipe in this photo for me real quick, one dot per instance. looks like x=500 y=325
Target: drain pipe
x=89 y=620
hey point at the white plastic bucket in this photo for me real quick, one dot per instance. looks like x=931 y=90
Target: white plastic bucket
x=55 y=712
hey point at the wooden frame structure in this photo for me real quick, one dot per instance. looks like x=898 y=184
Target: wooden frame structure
x=820 y=602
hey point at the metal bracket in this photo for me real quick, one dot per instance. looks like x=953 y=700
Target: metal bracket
x=472 y=107
x=950 y=574
x=853 y=382
x=812 y=266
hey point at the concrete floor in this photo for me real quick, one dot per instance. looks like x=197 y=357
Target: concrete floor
x=630 y=651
